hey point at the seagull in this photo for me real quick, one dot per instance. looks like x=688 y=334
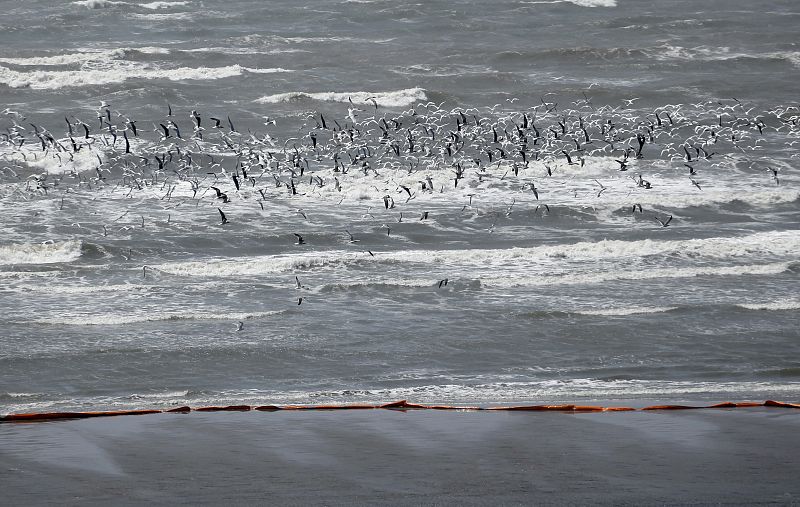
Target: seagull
x=300 y=240
x=602 y=188
x=222 y=215
x=221 y=195
x=774 y=175
x=664 y=223
x=240 y=326
x=352 y=239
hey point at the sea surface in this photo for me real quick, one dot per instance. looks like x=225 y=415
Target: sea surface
x=330 y=201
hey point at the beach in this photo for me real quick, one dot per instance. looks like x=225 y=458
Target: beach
x=264 y=210
x=739 y=456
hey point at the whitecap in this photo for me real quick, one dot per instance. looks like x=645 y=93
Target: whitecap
x=621 y=312
x=786 y=304
x=110 y=319
x=99 y=4
x=40 y=253
x=274 y=70
x=53 y=80
x=399 y=98
x=66 y=59
x=164 y=5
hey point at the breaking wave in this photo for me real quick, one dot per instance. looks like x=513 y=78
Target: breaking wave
x=40 y=253
x=399 y=98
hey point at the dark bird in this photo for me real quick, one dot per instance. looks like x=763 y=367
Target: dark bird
x=196 y=118
x=602 y=188
x=300 y=240
x=663 y=222
x=221 y=195
x=222 y=215
x=774 y=175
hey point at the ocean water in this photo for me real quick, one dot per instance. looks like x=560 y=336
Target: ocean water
x=462 y=201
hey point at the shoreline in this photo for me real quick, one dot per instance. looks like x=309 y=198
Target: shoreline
x=394 y=405
x=408 y=457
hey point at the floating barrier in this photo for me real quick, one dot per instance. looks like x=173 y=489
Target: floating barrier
x=401 y=405
x=229 y=408
x=49 y=416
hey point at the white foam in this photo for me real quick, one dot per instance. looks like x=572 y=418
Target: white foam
x=510 y=391
x=66 y=59
x=164 y=5
x=713 y=53
x=571 y=278
x=122 y=319
x=151 y=50
x=620 y=312
x=594 y=3
x=259 y=265
x=160 y=396
x=53 y=80
x=537 y=259
x=580 y=3
x=40 y=253
x=98 y=4
x=243 y=51
x=788 y=304
x=792 y=56
x=166 y=16
x=57 y=163
x=274 y=70
x=760 y=245
x=399 y=98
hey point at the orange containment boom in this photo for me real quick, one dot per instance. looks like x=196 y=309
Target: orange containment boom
x=394 y=405
x=49 y=416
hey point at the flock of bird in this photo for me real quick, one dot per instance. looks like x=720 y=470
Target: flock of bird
x=393 y=159
x=425 y=143
x=441 y=149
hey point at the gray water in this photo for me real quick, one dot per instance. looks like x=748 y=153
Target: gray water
x=451 y=252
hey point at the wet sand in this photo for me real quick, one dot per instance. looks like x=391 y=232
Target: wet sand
x=729 y=456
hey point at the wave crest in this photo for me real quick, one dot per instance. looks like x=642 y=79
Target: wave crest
x=40 y=253
x=399 y=98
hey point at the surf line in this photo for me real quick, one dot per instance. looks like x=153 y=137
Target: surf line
x=395 y=405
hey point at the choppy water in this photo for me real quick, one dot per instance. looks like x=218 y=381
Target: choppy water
x=425 y=143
